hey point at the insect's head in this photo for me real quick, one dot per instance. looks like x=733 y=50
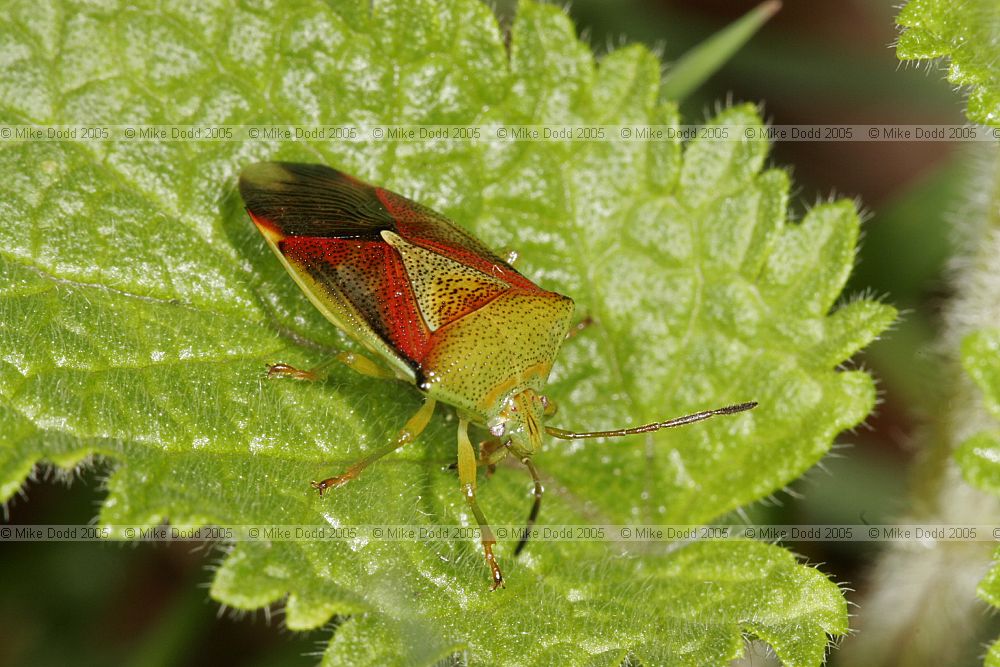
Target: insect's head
x=520 y=422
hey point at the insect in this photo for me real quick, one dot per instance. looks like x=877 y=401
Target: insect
x=435 y=306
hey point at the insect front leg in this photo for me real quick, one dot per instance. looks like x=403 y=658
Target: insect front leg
x=356 y=362
x=467 y=478
x=413 y=428
x=491 y=452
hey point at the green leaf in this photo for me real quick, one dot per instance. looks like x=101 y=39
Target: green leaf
x=139 y=307
x=964 y=32
x=989 y=590
x=697 y=65
x=979 y=456
x=993 y=656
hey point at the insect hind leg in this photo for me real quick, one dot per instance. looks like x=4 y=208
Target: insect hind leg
x=356 y=362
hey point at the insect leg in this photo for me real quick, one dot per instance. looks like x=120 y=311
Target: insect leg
x=357 y=362
x=413 y=428
x=491 y=452
x=579 y=326
x=467 y=478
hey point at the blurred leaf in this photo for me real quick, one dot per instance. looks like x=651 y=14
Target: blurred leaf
x=979 y=456
x=705 y=59
x=138 y=308
x=781 y=66
x=966 y=33
x=904 y=253
x=908 y=242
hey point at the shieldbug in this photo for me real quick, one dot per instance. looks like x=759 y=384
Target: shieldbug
x=438 y=308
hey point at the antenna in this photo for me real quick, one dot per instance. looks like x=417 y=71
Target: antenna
x=655 y=426
x=645 y=428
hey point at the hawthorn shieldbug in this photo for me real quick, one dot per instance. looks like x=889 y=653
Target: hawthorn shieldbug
x=436 y=307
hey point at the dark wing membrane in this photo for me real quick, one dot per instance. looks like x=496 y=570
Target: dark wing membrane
x=313 y=200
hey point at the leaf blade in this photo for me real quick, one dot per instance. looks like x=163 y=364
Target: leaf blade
x=143 y=308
